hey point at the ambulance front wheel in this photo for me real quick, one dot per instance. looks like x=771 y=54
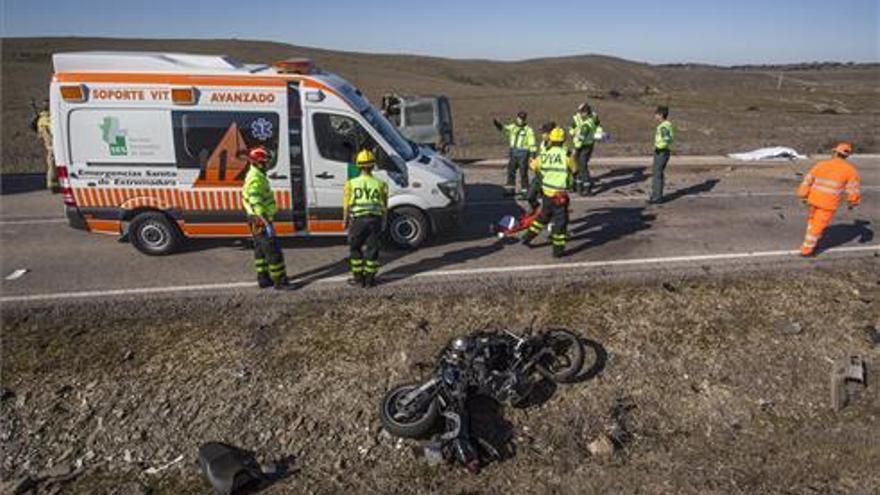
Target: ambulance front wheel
x=154 y=234
x=408 y=227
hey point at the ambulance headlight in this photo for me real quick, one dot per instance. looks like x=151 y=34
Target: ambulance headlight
x=450 y=189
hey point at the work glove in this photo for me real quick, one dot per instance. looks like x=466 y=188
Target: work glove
x=346 y=222
x=497 y=124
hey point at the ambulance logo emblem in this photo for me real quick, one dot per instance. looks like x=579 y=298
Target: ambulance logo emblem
x=114 y=136
x=261 y=129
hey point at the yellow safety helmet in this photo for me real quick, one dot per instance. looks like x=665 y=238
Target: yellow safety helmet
x=365 y=158
x=557 y=135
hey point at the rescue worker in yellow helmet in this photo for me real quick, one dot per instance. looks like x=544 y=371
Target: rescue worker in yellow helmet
x=364 y=206
x=521 y=141
x=533 y=196
x=822 y=189
x=43 y=127
x=556 y=176
x=259 y=204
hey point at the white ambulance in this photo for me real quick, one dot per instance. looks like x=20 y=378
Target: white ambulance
x=152 y=146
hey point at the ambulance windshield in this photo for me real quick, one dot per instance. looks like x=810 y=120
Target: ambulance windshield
x=390 y=133
x=401 y=145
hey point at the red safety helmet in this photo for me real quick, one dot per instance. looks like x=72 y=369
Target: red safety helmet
x=844 y=149
x=258 y=154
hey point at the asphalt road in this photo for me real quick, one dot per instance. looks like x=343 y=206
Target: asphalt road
x=718 y=212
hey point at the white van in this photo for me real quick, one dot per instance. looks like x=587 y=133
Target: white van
x=152 y=145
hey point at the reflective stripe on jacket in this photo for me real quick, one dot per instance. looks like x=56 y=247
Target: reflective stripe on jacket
x=256 y=194
x=555 y=170
x=583 y=129
x=826 y=182
x=365 y=195
x=520 y=137
x=664 y=136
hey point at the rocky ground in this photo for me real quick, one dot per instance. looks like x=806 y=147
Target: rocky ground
x=712 y=384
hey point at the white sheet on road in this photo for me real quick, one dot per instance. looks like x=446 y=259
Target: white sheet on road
x=772 y=153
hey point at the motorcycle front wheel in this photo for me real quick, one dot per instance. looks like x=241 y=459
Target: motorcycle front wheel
x=568 y=355
x=416 y=425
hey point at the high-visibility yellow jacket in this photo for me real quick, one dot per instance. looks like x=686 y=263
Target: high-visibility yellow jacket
x=664 y=136
x=365 y=195
x=520 y=137
x=583 y=129
x=827 y=181
x=256 y=195
x=555 y=170
x=44 y=121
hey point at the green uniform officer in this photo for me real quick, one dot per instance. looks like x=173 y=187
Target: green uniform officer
x=364 y=204
x=521 y=140
x=259 y=204
x=582 y=130
x=556 y=177
x=44 y=129
x=664 y=137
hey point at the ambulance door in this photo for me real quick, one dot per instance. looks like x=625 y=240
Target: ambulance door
x=298 y=177
x=336 y=138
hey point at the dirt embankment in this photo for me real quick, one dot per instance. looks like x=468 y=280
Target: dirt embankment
x=715 y=110
x=724 y=384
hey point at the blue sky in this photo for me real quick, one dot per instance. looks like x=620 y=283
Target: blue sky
x=659 y=31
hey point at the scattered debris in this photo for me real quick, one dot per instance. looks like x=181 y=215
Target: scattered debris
x=229 y=469
x=873 y=332
x=163 y=467
x=17 y=274
x=602 y=446
x=847 y=378
x=670 y=287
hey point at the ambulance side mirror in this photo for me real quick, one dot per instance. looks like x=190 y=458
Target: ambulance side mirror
x=399 y=173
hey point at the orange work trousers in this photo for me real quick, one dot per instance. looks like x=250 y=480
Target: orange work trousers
x=817 y=222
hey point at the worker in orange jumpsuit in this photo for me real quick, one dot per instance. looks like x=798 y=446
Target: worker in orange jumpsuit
x=822 y=189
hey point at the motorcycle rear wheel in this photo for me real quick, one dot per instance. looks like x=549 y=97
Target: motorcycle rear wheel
x=568 y=355
x=416 y=427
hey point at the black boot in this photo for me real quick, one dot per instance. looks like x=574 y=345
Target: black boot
x=528 y=237
x=558 y=251
x=282 y=283
x=263 y=280
x=370 y=280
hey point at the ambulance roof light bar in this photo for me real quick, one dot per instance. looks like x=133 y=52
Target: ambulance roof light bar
x=295 y=66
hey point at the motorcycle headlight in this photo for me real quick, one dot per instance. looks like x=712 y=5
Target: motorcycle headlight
x=450 y=190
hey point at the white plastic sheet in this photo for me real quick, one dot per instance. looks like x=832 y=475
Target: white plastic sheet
x=772 y=153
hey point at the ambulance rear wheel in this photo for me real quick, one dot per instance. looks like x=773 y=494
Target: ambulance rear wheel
x=408 y=227
x=154 y=234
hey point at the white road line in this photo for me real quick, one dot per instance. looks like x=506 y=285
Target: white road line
x=444 y=273
x=33 y=221
x=125 y=292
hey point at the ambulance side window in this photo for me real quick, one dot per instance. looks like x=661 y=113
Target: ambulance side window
x=339 y=138
x=202 y=137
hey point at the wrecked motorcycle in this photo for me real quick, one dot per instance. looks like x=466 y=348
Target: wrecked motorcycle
x=500 y=365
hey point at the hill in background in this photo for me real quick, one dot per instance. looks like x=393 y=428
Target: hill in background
x=716 y=110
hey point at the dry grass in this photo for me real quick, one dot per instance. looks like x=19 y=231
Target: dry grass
x=721 y=401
